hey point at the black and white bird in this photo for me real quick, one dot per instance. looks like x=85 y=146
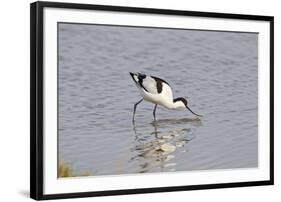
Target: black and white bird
x=158 y=92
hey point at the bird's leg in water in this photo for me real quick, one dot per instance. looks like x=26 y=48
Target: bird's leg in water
x=154 y=111
x=135 y=107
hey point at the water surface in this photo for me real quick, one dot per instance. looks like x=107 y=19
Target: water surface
x=216 y=71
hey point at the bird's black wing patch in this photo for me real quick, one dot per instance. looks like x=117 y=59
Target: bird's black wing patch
x=159 y=83
x=141 y=77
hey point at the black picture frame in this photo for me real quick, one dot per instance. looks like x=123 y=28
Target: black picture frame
x=37 y=101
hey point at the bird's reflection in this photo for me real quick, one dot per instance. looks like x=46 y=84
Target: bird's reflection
x=156 y=146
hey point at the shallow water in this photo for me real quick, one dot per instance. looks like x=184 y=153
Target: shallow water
x=216 y=71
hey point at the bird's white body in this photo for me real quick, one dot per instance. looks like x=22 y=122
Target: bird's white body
x=165 y=98
x=151 y=93
x=158 y=92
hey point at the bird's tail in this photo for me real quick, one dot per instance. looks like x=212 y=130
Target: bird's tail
x=137 y=76
x=134 y=77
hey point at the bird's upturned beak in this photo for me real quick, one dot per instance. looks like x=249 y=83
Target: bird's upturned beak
x=192 y=111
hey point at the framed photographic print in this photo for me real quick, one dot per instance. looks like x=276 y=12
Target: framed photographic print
x=131 y=100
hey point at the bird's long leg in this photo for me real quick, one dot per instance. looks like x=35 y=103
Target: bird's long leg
x=135 y=107
x=154 y=112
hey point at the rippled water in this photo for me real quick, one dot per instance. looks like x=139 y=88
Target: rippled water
x=216 y=71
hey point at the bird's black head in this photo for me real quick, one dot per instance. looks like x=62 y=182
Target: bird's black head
x=184 y=102
x=181 y=99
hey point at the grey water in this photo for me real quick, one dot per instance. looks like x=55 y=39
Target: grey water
x=216 y=71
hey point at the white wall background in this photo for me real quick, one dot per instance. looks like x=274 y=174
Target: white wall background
x=14 y=100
